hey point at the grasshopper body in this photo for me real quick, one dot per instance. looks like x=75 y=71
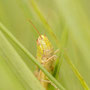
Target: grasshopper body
x=45 y=55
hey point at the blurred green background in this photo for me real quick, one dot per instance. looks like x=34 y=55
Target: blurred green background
x=70 y=22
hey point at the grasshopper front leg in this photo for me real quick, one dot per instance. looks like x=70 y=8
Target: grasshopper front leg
x=53 y=57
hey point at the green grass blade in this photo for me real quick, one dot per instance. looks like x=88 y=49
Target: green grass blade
x=82 y=81
x=36 y=8
x=18 y=67
x=45 y=23
x=29 y=55
x=64 y=38
x=48 y=16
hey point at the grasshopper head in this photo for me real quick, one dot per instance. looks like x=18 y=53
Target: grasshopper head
x=43 y=44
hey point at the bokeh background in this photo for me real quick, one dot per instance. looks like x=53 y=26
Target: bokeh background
x=70 y=22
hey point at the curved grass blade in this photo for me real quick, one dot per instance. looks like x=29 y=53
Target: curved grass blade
x=49 y=29
x=84 y=84
x=30 y=56
x=17 y=66
x=45 y=23
x=61 y=53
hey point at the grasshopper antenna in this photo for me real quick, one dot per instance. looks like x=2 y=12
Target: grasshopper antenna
x=34 y=27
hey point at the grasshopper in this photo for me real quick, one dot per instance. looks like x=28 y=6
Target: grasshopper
x=46 y=56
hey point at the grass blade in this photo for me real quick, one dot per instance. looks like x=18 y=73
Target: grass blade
x=18 y=67
x=49 y=29
x=29 y=55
